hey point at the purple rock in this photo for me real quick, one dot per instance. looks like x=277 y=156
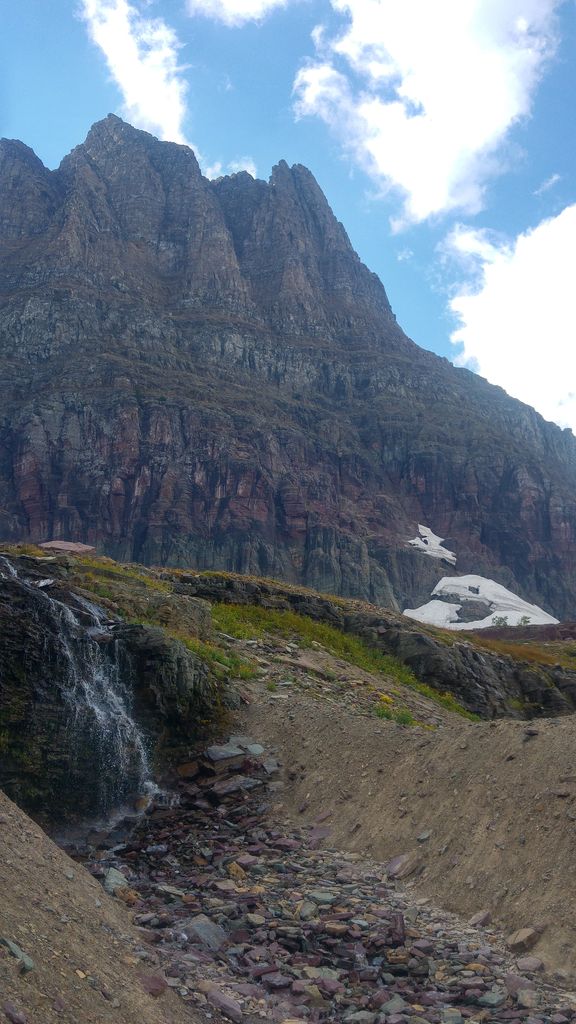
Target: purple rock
x=153 y=984
x=276 y=980
x=529 y=963
x=14 y=1015
x=228 y=1006
x=424 y=945
x=515 y=982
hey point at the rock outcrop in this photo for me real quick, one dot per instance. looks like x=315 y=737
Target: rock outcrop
x=91 y=708
x=204 y=373
x=487 y=683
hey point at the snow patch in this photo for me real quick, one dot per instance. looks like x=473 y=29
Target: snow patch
x=431 y=544
x=502 y=604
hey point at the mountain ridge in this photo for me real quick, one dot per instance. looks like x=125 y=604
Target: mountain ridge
x=207 y=374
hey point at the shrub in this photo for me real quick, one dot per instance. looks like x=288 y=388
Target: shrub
x=404 y=718
x=499 y=621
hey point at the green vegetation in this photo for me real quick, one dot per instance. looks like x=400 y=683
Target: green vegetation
x=293 y=588
x=106 y=567
x=446 y=700
x=545 y=652
x=401 y=717
x=499 y=621
x=98 y=587
x=25 y=549
x=120 y=584
x=247 y=622
x=517 y=704
x=125 y=588
x=222 y=663
x=404 y=718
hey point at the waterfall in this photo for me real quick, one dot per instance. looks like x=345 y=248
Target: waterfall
x=101 y=713
x=104 y=745
x=7 y=571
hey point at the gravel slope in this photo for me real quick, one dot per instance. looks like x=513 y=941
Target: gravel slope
x=83 y=945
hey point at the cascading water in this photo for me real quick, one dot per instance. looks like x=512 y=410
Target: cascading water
x=105 y=746
x=100 y=703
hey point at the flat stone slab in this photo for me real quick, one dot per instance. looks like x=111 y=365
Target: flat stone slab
x=206 y=931
x=72 y=546
x=223 y=752
x=404 y=865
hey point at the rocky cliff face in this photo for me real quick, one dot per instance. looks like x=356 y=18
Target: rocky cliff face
x=91 y=708
x=204 y=373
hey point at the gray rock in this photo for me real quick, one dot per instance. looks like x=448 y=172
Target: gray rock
x=527 y=998
x=394 y=1005
x=322 y=897
x=206 y=931
x=13 y=1014
x=492 y=999
x=481 y=918
x=114 y=880
x=450 y=1015
x=224 y=752
x=14 y=949
x=308 y=910
x=515 y=982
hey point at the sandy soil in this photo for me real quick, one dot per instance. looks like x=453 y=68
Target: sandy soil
x=497 y=799
x=80 y=939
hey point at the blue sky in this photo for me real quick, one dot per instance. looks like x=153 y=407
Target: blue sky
x=442 y=134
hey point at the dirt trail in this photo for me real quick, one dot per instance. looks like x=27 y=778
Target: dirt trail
x=83 y=945
x=494 y=804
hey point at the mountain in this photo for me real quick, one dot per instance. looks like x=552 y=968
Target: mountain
x=204 y=373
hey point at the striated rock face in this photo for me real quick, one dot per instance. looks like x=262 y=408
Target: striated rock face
x=204 y=373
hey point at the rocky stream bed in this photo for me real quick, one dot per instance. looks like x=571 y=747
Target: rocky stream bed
x=249 y=919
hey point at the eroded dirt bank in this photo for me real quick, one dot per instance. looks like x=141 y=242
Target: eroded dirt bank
x=87 y=957
x=489 y=807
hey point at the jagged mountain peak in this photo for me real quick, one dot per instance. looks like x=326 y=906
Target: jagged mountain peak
x=205 y=373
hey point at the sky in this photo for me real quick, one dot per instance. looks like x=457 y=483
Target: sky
x=441 y=131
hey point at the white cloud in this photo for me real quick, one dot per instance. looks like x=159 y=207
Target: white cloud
x=234 y=12
x=142 y=56
x=422 y=94
x=548 y=184
x=518 y=328
x=242 y=163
